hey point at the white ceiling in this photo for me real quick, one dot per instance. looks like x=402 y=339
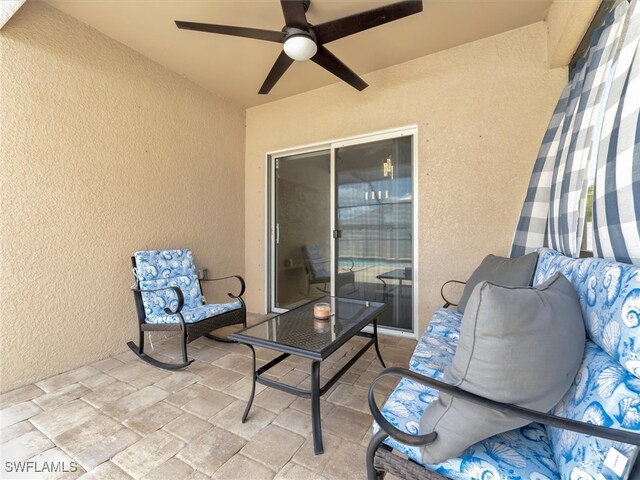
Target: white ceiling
x=234 y=68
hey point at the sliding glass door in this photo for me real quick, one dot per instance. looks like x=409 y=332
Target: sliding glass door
x=342 y=223
x=374 y=224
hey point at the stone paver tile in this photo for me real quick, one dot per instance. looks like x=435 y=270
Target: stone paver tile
x=220 y=378
x=211 y=450
x=240 y=466
x=304 y=405
x=208 y=354
x=208 y=404
x=138 y=374
x=62 y=380
x=187 y=427
x=142 y=457
x=185 y=395
x=197 y=476
x=153 y=418
x=18 y=413
x=231 y=419
x=306 y=456
x=105 y=449
x=107 y=364
x=295 y=421
x=107 y=394
x=68 y=468
x=19 y=395
x=354 y=397
x=236 y=362
x=86 y=434
x=172 y=468
x=384 y=385
x=274 y=447
x=349 y=377
x=341 y=464
x=274 y=400
x=65 y=417
x=15 y=430
x=177 y=381
x=396 y=356
x=294 y=377
x=347 y=423
x=106 y=470
x=61 y=396
x=97 y=381
x=25 y=446
x=135 y=402
x=126 y=357
x=293 y=471
x=242 y=388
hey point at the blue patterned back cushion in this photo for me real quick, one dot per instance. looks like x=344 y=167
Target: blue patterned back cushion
x=164 y=268
x=606 y=390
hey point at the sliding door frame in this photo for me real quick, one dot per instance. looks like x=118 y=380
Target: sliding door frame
x=270 y=228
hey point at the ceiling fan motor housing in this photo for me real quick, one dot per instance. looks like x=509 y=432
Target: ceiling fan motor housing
x=300 y=44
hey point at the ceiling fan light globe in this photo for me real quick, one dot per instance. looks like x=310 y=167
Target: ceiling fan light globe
x=300 y=47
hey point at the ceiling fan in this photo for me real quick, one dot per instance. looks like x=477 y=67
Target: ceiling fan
x=303 y=41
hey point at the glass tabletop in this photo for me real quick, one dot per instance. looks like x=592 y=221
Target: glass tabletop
x=300 y=333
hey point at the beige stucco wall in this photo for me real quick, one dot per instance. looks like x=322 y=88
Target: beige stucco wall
x=481 y=111
x=567 y=21
x=103 y=153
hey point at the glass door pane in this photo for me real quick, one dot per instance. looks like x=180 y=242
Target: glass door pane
x=374 y=225
x=302 y=221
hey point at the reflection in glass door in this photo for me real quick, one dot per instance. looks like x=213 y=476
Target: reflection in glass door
x=374 y=225
x=301 y=253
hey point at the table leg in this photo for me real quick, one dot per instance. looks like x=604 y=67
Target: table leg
x=315 y=408
x=253 y=387
x=375 y=342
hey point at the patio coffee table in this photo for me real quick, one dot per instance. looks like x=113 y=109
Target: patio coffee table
x=298 y=333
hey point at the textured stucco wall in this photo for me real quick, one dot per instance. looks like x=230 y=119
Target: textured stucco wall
x=103 y=152
x=481 y=111
x=567 y=21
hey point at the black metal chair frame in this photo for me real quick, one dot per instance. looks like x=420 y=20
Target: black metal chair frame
x=190 y=331
x=381 y=459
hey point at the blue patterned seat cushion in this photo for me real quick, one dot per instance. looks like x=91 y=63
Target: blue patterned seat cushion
x=193 y=315
x=607 y=388
x=160 y=269
x=523 y=453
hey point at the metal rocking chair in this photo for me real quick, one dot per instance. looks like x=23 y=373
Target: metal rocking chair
x=168 y=297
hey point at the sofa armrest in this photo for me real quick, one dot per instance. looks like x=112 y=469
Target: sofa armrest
x=448 y=302
x=506 y=408
x=240 y=279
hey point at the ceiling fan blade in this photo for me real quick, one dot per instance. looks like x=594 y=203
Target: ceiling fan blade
x=330 y=62
x=246 y=32
x=279 y=67
x=342 y=27
x=294 y=15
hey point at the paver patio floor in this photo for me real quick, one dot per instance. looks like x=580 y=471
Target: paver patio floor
x=122 y=418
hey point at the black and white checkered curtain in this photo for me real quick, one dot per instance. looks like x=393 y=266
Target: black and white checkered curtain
x=554 y=208
x=616 y=208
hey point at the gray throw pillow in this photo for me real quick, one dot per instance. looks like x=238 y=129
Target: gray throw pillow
x=519 y=345
x=508 y=272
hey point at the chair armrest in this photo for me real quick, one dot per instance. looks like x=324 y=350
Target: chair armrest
x=506 y=408
x=240 y=279
x=448 y=302
x=175 y=289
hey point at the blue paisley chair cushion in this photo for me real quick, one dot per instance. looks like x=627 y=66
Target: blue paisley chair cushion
x=518 y=454
x=197 y=314
x=606 y=390
x=160 y=269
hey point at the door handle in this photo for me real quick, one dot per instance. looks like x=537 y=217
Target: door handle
x=337 y=234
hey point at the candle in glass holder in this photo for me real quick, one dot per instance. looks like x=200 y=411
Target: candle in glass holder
x=322 y=310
